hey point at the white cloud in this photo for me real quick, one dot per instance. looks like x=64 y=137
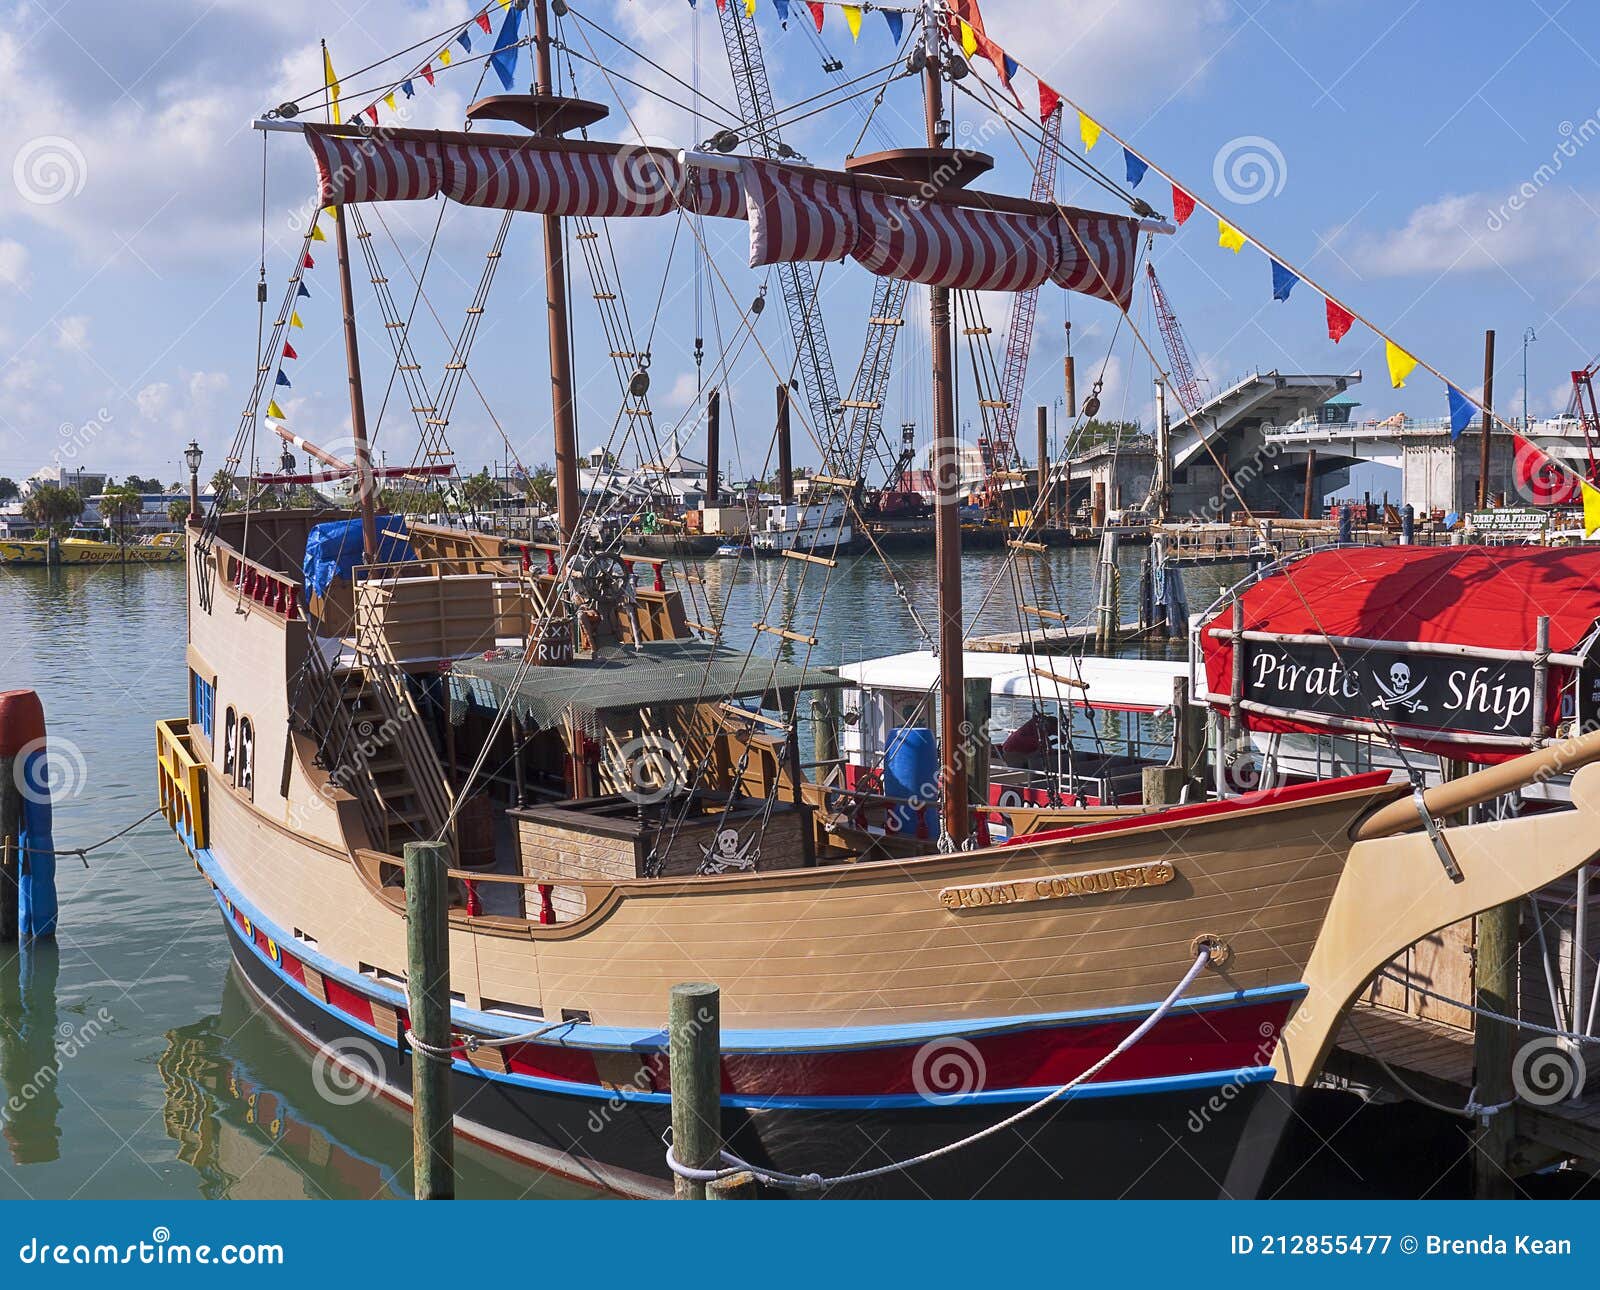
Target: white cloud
x=13 y=263
x=1478 y=232
x=72 y=331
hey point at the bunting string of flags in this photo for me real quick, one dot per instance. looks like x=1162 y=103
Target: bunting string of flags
x=288 y=353
x=502 y=59
x=1340 y=318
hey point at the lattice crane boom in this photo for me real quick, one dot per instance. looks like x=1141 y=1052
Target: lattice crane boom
x=1185 y=385
x=1001 y=452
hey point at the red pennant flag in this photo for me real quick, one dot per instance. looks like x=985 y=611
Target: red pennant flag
x=427 y=72
x=1182 y=204
x=1339 y=320
x=308 y=262
x=1049 y=102
x=373 y=113
x=1540 y=477
x=721 y=5
x=816 y=14
x=288 y=350
x=483 y=21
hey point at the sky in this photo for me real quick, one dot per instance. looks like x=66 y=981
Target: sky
x=1435 y=164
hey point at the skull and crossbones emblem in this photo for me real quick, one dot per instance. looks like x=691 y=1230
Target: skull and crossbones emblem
x=1398 y=690
x=726 y=853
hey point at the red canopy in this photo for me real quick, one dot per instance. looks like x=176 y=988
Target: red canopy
x=1476 y=705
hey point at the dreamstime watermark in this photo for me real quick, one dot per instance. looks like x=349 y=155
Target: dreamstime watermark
x=347 y=1071
x=1573 y=139
x=49 y=169
x=160 y=1250
x=1548 y=1070
x=50 y=769
x=72 y=1038
x=351 y=172
x=947 y=1070
x=649 y=768
x=1249 y=169
x=646 y=172
x=1271 y=1036
x=76 y=439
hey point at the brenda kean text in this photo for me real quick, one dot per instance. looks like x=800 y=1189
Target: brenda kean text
x=1303 y=1243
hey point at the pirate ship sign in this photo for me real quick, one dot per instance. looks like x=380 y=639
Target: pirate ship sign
x=1481 y=652
x=1400 y=686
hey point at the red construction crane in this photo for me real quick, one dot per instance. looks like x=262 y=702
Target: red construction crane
x=998 y=449
x=1185 y=385
x=1582 y=406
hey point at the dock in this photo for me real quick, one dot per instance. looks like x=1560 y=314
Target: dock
x=1043 y=640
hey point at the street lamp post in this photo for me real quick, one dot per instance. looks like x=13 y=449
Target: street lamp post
x=191 y=459
x=1527 y=338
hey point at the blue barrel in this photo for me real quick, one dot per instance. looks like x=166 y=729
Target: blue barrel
x=911 y=770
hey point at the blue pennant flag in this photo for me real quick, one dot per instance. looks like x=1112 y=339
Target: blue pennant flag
x=282 y=379
x=1461 y=411
x=897 y=25
x=466 y=41
x=782 y=6
x=1136 y=167
x=1283 y=280
x=1010 y=64
x=504 y=60
x=301 y=291
x=409 y=92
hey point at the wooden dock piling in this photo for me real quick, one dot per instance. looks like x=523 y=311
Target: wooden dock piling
x=694 y=1039
x=428 y=996
x=10 y=850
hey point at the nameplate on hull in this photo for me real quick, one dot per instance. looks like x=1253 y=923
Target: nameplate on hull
x=1066 y=886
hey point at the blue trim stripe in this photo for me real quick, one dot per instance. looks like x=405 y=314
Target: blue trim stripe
x=752 y=1041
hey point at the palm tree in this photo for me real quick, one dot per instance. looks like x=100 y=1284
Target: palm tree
x=178 y=510
x=53 y=507
x=118 y=506
x=539 y=487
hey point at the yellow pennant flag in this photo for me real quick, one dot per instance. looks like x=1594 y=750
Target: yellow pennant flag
x=273 y=410
x=1229 y=236
x=749 y=8
x=389 y=99
x=294 y=320
x=444 y=57
x=969 y=38
x=1400 y=363
x=505 y=4
x=332 y=83
x=1088 y=131
x=317 y=235
x=1591 y=507
x=852 y=19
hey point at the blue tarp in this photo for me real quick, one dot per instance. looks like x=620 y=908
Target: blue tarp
x=333 y=550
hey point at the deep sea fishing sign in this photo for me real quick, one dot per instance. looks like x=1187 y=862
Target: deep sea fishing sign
x=1447 y=692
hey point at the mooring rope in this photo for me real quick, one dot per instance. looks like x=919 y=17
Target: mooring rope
x=816 y=1182
x=83 y=852
x=463 y=1043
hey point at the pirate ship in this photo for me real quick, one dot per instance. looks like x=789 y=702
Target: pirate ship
x=624 y=798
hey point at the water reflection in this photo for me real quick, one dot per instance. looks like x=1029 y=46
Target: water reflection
x=244 y=1108
x=33 y=1045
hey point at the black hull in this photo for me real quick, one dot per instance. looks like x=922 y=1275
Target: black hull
x=1195 y=1144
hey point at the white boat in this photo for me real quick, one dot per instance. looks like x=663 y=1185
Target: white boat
x=822 y=527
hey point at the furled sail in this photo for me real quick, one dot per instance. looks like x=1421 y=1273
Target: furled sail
x=969 y=241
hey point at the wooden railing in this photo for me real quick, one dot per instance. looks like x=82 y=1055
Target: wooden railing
x=273 y=591
x=181 y=784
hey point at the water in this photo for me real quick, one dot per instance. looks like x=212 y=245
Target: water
x=132 y=1064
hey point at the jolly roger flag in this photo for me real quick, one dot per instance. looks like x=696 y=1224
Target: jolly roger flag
x=1540 y=479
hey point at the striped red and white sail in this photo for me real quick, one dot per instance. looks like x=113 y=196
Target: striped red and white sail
x=795 y=212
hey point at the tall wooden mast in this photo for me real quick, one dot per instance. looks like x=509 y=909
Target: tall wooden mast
x=953 y=734
x=366 y=481
x=563 y=409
